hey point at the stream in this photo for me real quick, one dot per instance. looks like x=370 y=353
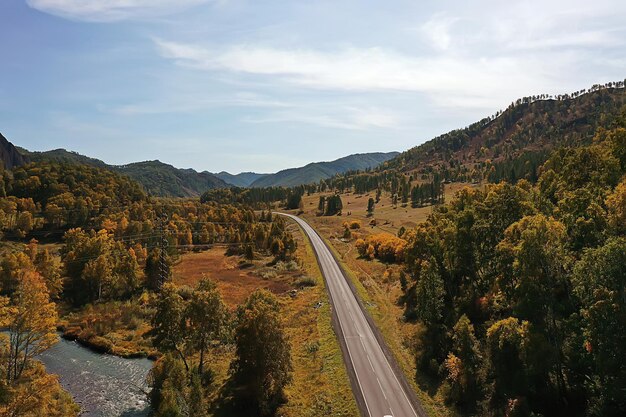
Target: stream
x=103 y=385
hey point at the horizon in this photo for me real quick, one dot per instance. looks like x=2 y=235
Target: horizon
x=235 y=86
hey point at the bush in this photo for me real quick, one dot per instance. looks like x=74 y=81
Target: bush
x=383 y=246
x=306 y=282
x=355 y=224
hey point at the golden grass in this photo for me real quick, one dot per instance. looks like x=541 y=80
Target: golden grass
x=377 y=283
x=320 y=383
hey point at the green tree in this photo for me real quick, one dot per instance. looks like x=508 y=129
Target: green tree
x=169 y=323
x=208 y=319
x=370 y=206
x=599 y=280
x=263 y=361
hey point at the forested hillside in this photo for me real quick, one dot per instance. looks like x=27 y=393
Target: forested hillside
x=519 y=289
x=526 y=131
x=157 y=178
x=317 y=171
x=243 y=179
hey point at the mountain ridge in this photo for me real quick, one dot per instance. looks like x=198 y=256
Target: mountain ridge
x=316 y=171
x=164 y=180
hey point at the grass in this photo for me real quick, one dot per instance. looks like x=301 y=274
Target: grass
x=388 y=219
x=377 y=283
x=320 y=383
x=114 y=327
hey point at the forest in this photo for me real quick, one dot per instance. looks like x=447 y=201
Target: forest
x=519 y=289
x=117 y=247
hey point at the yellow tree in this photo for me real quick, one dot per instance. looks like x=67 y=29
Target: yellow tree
x=32 y=324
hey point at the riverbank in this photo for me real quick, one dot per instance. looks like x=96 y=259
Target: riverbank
x=118 y=328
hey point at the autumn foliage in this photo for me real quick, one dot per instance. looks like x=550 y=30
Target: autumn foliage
x=383 y=246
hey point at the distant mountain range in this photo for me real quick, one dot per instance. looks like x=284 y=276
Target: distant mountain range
x=163 y=180
x=244 y=179
x=322 y=170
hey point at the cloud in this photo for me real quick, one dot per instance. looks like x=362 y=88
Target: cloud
x=350 y=118
x=437 y=30
x=111 y=10
x=193 y=103
x=366 y=69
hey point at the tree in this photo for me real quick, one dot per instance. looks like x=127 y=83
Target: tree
x=370 y=206
x=616 y=204
x=168 y=381
x=464 y=364
x=208 y=319
x=599 y=280
x=169 y=323
x=32 y=327
x=263 y=361
x=506 y=344
x=157 y=272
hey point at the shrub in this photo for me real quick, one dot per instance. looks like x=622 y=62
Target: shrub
x=306 y=281
x=383 y=246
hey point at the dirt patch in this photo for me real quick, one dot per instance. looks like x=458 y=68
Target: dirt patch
x=234 y=282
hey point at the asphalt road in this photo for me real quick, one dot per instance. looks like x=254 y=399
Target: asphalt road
x=374 y=379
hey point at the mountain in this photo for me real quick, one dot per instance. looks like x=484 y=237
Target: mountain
x=9 y=155
x=525 y=132
x=244 y=179
x=157 y=178
x=317 y=171
x=64 y=157
x=161 y=179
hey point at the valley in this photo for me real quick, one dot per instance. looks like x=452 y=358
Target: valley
x=458 y=278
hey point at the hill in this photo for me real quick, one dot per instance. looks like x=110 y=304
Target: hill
x=527 y=130
x=161 y=179
x=157 y=178
x=243 y=179
x=9 y=155
x=316 y=171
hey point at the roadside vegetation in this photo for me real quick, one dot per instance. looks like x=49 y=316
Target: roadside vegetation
x=506 y=298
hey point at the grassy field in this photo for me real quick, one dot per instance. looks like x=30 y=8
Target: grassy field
x=320 y=383
x=378 y=283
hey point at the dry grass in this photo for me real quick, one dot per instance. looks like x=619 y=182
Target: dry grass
x=234 y=279
x=320 y=383
x=378 y=283
x=388 y=218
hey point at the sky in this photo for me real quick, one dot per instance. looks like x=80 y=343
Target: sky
x=250 y=85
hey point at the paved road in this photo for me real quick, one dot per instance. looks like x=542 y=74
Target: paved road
x=380 y=388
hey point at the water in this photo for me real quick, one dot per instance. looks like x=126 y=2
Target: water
x=103 y=385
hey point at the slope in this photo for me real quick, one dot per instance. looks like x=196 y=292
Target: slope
x=243 y=179
x=531 y=125
x=316 y=171
x=157 y=178
x=9 y=154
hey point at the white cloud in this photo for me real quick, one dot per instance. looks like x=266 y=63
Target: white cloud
x=192 y=103
x=111 y=10
x=350 y=118
x=437 y=30
x=369 y=69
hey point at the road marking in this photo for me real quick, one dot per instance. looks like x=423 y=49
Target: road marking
x=337 y=283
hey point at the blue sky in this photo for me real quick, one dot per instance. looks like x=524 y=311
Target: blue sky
x=243 y=85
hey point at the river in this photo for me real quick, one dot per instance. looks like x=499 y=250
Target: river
x=103 y=385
